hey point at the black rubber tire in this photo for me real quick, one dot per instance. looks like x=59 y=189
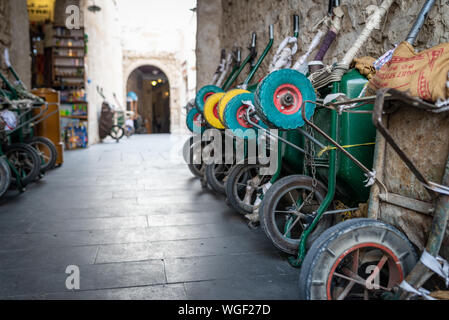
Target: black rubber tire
x=232 y=189
x=46 y=164
x=196 y=169
x=32 y=157
x=5 y=176
x=338 y=240
x=217 y=180
x=270 y=200
x=116 y=133
x=186 y=149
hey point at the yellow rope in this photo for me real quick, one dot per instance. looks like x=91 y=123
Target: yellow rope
x=328 y=148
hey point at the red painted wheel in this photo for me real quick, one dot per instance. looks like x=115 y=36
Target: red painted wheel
x=356 y=259
x=354 y=276
x=241 y=117
x=207 y=95
x=198 y=120
x=287 y=99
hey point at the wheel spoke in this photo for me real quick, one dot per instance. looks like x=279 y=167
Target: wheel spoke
x=358 y=279
x=377 y=269
x=293 y=200
x=346 y=290
x=292 y=225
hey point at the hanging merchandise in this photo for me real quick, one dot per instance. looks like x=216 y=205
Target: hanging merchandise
x=8 y=119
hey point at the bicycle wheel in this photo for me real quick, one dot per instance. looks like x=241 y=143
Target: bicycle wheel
x=117 y=133
x=5 y=176
x=356 y=259
x=46 y=151
x=26 y=162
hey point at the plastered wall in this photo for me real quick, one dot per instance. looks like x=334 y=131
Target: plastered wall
x=232 y=21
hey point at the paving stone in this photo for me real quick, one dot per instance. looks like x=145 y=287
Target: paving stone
x=226 y=267
x=270 y=287
x=139 y=226
x=155 y=292
x=89 y=224
x=38 y=282
x=41 y=257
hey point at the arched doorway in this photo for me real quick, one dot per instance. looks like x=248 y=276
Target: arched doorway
x=153 y=105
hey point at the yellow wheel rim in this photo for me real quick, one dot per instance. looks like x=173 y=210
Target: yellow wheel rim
x=226 y=98
x=211 y=110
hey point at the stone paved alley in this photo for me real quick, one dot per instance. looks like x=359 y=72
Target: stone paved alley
x=138 y=226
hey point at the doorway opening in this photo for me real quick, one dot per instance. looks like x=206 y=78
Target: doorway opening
x=151 y=86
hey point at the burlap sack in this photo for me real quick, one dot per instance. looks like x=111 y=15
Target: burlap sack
x=423 y=74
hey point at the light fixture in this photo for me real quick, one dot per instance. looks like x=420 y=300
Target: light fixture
x=159 y=80
x=94 y=8
x=154 y=83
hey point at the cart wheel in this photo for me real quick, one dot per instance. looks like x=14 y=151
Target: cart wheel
x=186 y=149
x=26 y=162
x=204 y=93
x=117 y=133
x=5 y=176
x=235 y=117
x=279 y=97
x=211 y=110
x=279 y=215
x=243 y=186
x=194 y=121
x=46 y=150
x=226 y=98
x=356 y=259
x=216 y=175
x=197 y=169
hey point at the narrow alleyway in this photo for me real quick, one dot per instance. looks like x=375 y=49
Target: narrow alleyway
x=138 y=226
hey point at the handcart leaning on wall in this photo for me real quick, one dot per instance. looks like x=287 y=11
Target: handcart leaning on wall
x=409 y=204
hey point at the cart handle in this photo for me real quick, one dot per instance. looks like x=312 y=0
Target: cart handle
x=262 y=57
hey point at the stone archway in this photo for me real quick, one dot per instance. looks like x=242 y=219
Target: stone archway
x=171 y=67
x=152 y=88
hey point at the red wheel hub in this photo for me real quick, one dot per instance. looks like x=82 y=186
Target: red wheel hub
x=389 y=260
x=207 y=95
x=241 y=117
x=287 y=99
x=197 y=120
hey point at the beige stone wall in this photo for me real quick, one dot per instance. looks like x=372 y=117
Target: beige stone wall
x=104 y=60
x=14 y=34
x=208 y=44
x=241 y=17
x=170 y=65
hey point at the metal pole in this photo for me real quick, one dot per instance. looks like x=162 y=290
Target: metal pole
x=413 y=34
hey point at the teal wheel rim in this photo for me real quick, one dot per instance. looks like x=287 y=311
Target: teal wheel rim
x=194 y=121
x=279 y=99
x=235 y=117
x=204 y=93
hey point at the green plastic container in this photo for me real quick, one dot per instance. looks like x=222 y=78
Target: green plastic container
x=353 y=129
x=291 y=157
